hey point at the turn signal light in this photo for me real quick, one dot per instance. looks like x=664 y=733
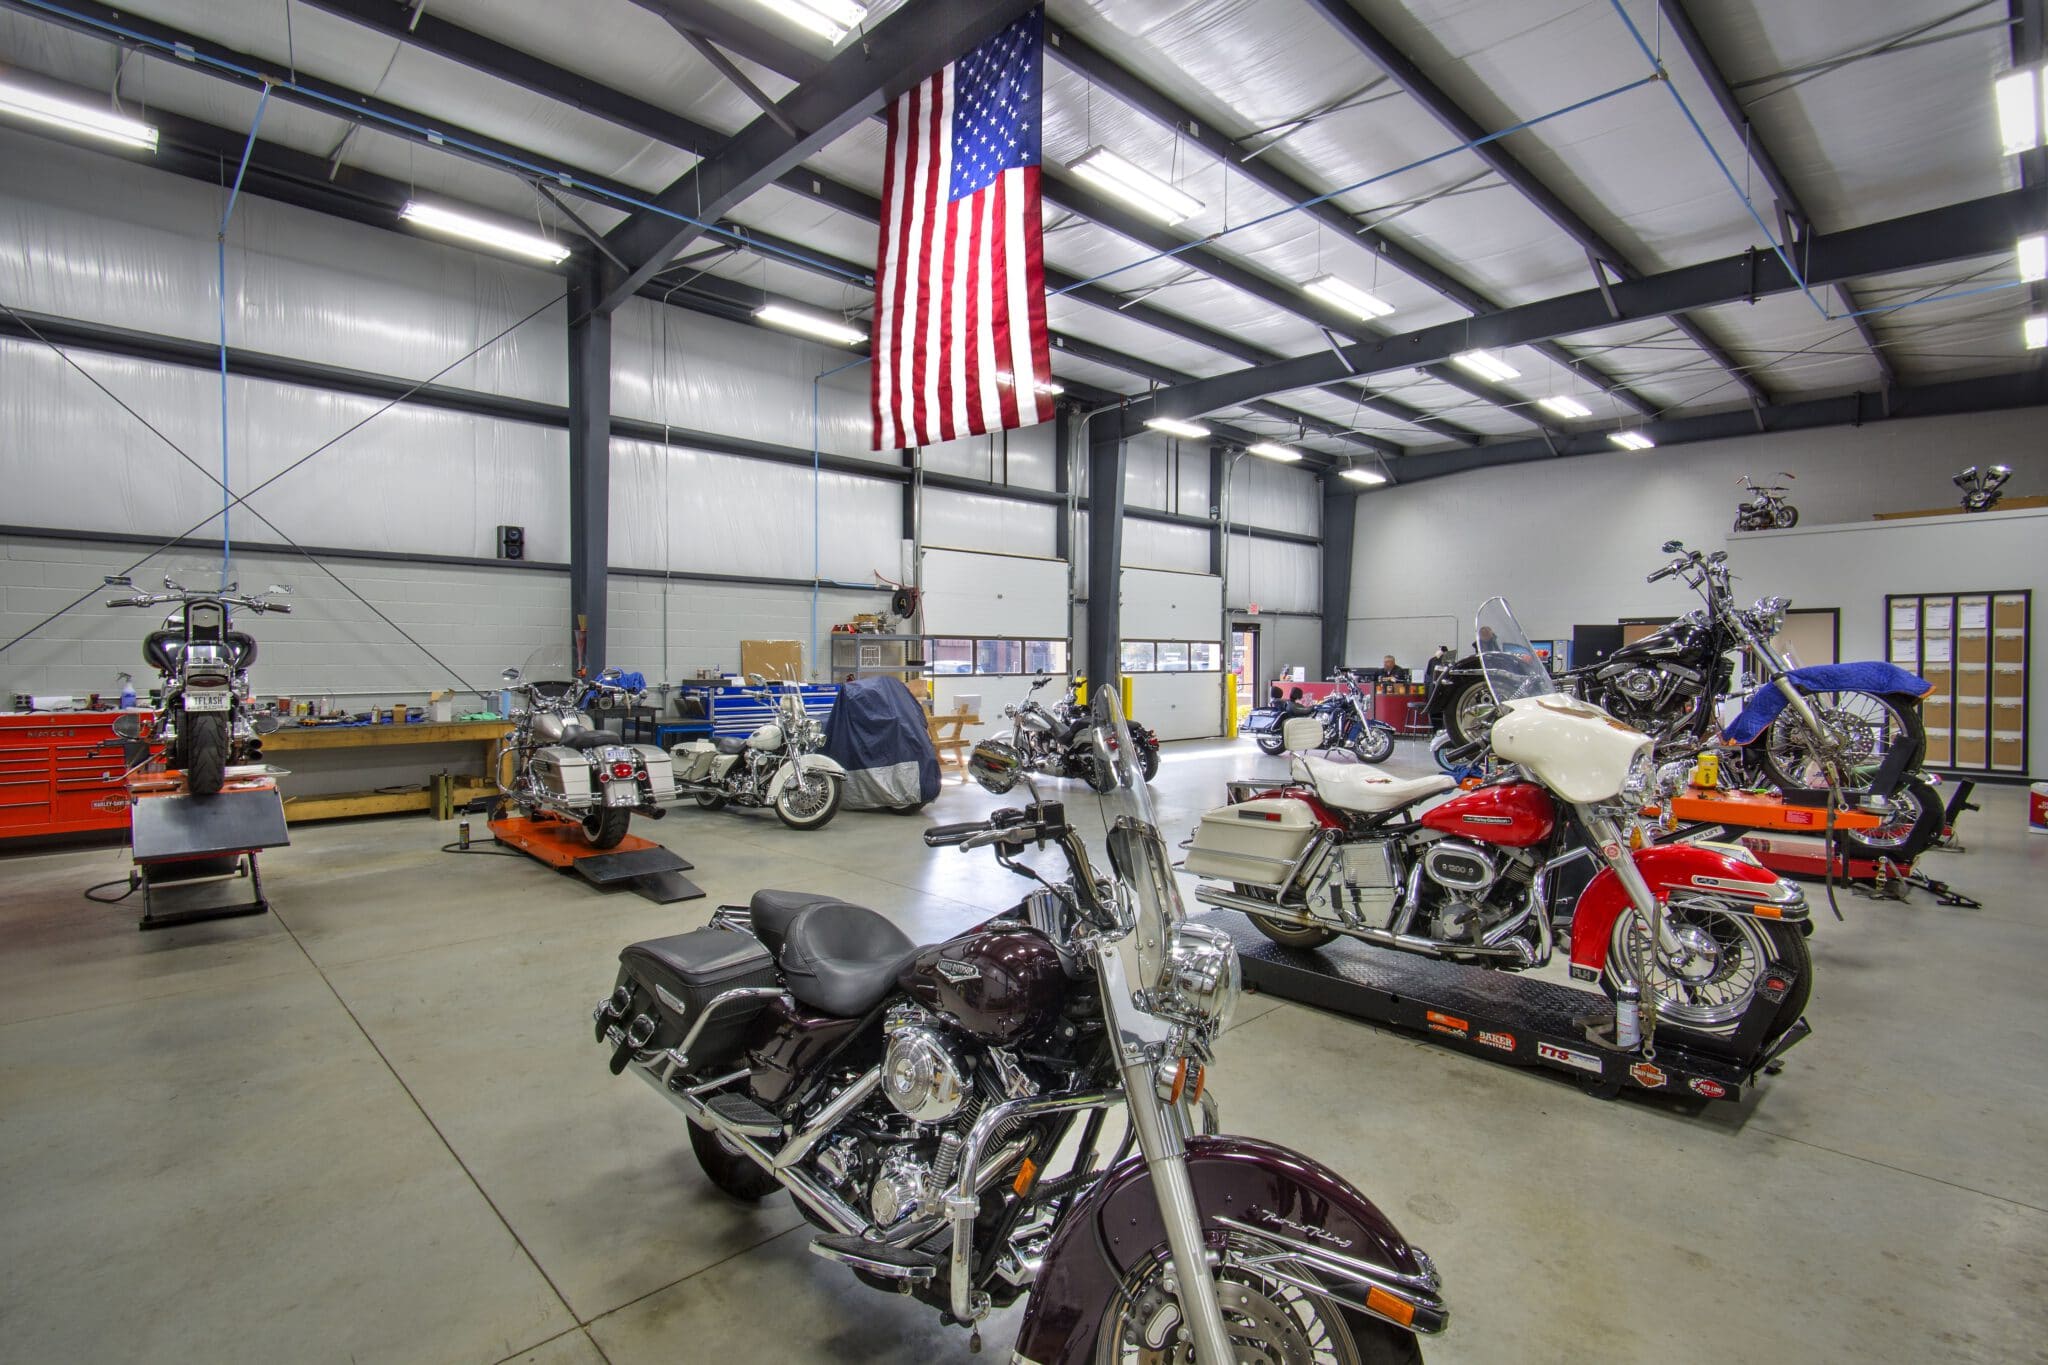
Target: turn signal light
x=1187 y=1079
x=1387 y=1306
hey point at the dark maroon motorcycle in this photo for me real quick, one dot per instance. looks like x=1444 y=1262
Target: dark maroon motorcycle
x=939 y=1111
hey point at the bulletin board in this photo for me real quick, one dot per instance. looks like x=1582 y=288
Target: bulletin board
x=1973 y=647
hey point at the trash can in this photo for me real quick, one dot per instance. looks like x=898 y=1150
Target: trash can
x=2037 y=808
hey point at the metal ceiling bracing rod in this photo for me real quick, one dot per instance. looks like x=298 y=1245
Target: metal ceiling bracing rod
x=857 y=83
x=1101 y=70
x=504 y=63
x=1462 y=125
x=1274 y=292
x=1978 y=227
x=1682 y=27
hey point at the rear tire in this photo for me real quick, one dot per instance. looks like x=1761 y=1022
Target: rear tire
x=1148 y=759
x=605 y=828
x=1296 y=936
x=1271 y=745
x=731 y=1172
x=1859 y=714
x=208 y=744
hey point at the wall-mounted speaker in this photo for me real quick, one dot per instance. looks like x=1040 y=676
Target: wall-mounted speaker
x=511 y=542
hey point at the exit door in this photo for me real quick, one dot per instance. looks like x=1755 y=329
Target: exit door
x=1244 y=662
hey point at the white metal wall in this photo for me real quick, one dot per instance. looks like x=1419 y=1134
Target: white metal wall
x=1175 y=606
x=987 y=521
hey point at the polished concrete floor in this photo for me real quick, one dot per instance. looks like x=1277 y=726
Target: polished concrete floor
x=373 y=1127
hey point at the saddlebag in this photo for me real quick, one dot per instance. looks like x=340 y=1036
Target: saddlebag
x=666 y=984
x=1264 y=721
x=693 y=760
x=1257 y=842
x=564 y=772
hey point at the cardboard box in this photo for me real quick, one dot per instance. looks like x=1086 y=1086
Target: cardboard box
x=773 y=659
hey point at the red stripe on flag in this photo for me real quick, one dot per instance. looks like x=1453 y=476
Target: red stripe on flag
x=977 y=416
x=922 y=424
x=1034 y=289
x=900 y=208
x=999 y=274
x=878 y=364
x=942 y=420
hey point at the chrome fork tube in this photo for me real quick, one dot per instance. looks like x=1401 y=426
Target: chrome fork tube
x=1161 y=1143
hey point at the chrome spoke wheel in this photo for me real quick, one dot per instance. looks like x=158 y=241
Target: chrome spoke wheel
x=1271 y=1320
x=1709 y=980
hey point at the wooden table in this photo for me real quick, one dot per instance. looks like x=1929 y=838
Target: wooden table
x=305 y=738
x=945 y=731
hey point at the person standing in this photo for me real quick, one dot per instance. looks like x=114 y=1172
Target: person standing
x=1438 y=662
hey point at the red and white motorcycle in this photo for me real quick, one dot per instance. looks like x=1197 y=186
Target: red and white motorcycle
x=1692 y=936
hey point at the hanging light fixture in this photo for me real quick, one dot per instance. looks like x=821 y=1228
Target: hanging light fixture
x=809 y=324
x=2019 y=96
x=1563 y=405
x=1631 y=440
x=484 y=232
x=1141 y=189
x=73 y=116
x=1049 y=389
x=1268 y=450
x=2036 y=331
x=1372 y=478
x=1485 y=364
x=2032 y=255
x=1342 y=293
x=829 y=19
x=1173 y=426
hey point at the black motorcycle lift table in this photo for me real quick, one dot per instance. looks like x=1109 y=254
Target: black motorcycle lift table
x=188 y=849
x=641 y=865
x=1502 y=1016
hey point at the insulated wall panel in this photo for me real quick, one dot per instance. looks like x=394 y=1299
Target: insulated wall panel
x=1275 y=497
x=105 y=240
x=1163 y=545
x=406 y=479
x=699 y=512
x=982 y=521
x=1171 y=606
x=1276 y=574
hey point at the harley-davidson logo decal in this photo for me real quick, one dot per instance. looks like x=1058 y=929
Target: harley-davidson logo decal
x=1504 y=1041
x=1488 y=819
x=1584 y=1061
x=1446 y=1023
x=111 y=803
x=1648 y=1075
x=1733 y=888
x=1706 y=1089
x=958 y=971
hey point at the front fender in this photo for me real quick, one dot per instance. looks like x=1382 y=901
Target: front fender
x=1720 y=872
x=808 y=762
x=1242 y=1185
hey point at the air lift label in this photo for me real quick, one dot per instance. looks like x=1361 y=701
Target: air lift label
x=1449 y=1024
x=1584 y=1061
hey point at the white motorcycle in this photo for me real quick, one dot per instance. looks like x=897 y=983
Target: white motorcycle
x=778 y=765
x=564 y=763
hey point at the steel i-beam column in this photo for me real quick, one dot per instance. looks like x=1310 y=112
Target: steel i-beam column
x=1105 y=553
x=1340 y=524
x=590 y=465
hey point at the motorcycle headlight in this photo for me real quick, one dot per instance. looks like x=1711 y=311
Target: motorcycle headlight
x=1199 y=981
x=1642 y=774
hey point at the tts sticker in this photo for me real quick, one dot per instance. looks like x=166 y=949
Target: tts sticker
x=1584 y=1061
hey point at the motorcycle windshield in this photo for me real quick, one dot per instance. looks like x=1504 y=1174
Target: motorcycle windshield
x=1513 y=668
x=1137 y=851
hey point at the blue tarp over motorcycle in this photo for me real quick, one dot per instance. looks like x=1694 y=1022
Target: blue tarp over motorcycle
x=877 y=733
x=1875 y=677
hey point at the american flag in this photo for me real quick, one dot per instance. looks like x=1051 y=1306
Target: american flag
x=960 y=341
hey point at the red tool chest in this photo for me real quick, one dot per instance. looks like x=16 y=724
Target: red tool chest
x=61 y=774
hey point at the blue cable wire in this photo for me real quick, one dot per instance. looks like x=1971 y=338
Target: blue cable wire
x=220 y=252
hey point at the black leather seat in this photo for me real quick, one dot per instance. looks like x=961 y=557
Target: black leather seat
x=731 y=744
x=773 y=912
x=592 y=739
x=842 y=959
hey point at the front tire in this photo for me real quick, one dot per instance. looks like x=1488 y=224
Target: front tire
x=1268 y=1316
x=732 y=1172
x=605 y=828
x=208 y=745
x=1469 y=713
x=1786 y=518
x=1376 y=745
x=1712 y=996
x=809 y=801
x=710 y=801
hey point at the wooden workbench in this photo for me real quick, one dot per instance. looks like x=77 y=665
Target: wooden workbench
x=336 y=805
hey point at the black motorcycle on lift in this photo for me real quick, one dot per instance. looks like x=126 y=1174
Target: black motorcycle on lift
x=205 y=722
x=938 y=1110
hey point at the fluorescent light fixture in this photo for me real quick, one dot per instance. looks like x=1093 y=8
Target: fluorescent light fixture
x=1173 y=426
x=1360 y=474
x=1485 y=364
x=1141 y=189
x=1345 y=295
x=2036 y=331
x=1267 y=450
x=1631 y=440
x=74 y=116
x=810 y=324
x=1050 y=390
x=484 y=232
x=1564 y=406
x=2018 y=95
x=829 y=19
x=2033 y=257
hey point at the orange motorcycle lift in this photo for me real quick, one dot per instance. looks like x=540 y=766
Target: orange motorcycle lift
x=188 y=849
x=640 y=865
x=1788 y=838
x=1505 y=1017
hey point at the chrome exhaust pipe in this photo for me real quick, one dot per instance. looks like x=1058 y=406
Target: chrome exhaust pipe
x=816 y=1197
x=1386 y=938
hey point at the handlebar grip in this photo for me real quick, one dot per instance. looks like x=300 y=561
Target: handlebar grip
x=939 y=836
x=1665 y=572
x=284 y=607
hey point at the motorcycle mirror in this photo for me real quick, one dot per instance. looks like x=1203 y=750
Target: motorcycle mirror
x=510 y=676
x=284 y=588
x=266 y=723
x=171 y=584
x=127 y=727
x=1672 y=547
x=118 y=580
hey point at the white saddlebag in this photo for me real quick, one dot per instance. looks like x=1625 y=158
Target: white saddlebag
x=1256 y=842
x=693 y=760
x=1301 y=734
